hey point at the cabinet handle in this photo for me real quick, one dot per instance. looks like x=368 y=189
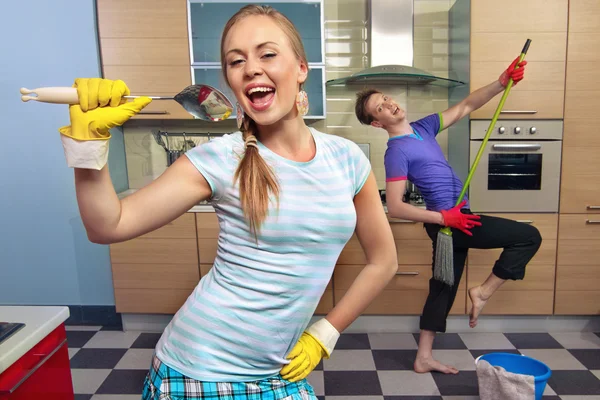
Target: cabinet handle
x=592 y=221
x=153 y=112
x=411 y=273
x=401 y=221
x=518 y=112
x=593 y=207
x=525 y=221
x=36 y=367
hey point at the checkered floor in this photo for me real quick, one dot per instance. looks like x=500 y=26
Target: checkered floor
x=111 y=365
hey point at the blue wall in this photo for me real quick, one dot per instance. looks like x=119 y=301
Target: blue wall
x=45 y=257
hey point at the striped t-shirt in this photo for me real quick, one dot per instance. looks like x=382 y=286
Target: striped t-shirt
x=250 y=309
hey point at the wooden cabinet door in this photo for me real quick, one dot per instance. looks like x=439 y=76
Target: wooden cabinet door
x=145 y=43
x=578 y=265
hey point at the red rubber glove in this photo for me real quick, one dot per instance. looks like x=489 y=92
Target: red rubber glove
x=511 y=72
x=455 y=219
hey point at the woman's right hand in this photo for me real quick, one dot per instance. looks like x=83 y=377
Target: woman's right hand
x=101 y=107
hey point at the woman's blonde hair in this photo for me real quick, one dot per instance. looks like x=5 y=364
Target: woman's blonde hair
x=256 y=178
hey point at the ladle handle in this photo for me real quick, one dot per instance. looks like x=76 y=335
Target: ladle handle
x=64 y=95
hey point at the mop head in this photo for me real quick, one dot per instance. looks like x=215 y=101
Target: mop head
x=443 y=270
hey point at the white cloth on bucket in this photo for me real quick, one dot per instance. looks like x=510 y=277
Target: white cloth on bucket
x=495 y=383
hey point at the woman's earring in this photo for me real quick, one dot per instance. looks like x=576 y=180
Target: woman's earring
x=239 y=115
x=302 y=102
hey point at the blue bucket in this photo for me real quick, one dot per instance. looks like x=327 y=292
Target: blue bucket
x=520 y=364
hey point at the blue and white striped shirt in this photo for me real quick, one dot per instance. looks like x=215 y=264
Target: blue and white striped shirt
x=247 y=313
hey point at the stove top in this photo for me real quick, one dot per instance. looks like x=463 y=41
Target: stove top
x=7 y=329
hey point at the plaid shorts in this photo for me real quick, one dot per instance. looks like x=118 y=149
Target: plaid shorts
x=164 y=383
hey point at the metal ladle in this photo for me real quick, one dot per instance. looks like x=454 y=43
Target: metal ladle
x=202 y=101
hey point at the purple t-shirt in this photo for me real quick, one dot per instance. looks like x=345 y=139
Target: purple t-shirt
x=419 y=158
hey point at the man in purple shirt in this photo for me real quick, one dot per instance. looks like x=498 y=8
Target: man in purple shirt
x=414 y=154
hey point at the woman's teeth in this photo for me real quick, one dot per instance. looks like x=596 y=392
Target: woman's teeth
x=259 y=89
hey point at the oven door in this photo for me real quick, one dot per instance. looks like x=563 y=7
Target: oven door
x=516 y=176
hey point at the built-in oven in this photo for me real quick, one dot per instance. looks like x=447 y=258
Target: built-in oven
x=519 y=170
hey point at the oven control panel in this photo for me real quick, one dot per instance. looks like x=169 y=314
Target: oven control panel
x=518 y=129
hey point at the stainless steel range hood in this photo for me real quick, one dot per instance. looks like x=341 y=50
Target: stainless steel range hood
x=391 y=48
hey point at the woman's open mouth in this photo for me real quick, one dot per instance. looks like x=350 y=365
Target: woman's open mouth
x=396 y=110
x=260 y=97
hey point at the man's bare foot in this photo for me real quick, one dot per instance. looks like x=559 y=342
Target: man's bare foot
x=478 y=301
x=428 y=364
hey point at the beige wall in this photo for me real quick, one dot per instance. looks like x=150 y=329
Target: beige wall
x=346 y=44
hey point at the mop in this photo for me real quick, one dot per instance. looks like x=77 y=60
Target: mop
x=444 y=254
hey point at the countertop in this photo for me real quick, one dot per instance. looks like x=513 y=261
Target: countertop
x=209 y=208
x=39 y=322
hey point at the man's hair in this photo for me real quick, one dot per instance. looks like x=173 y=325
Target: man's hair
x=360 y=108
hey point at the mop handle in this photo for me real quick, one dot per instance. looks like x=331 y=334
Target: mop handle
x=491 y=127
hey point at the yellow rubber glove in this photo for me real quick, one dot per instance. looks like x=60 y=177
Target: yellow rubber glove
x=315 y=343
x=101 y=107
x=91 y=119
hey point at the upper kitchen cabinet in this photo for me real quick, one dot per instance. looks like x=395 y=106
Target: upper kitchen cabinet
x=208 y=18
x=580 y=189
x=498 y=31
x=145 y=44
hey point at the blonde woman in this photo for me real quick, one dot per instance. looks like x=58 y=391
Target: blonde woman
x=288 y=199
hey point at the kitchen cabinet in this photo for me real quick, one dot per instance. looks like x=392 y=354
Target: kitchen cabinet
x=578 y=268
x=156 y=272
x=408 y=290
x=580 y=188
x=145 y=43
x=495 y=25
x=535 y=293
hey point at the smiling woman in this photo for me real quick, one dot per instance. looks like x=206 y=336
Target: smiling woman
x=288 y=199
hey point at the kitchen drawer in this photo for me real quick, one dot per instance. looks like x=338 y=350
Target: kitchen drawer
x=145 y=51
x=412 y=252
x=183 y=227
x=405 y=294
x=325 y=304
x=142 y=19
x=539 y=76
x=577 y=227
x=519 y=16
x=155 y=276
x=577 y=302
x=580 y=184
x=545 y=46
x=153 y=301
x=518 y=302
x=151 y=80
x=43 y=372
x=537 y=277
x=155 y=251
x=524 y=104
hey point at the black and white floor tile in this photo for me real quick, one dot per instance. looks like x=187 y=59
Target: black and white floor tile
x=111 y=364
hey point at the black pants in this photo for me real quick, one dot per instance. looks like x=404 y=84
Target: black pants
x=520 y=242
